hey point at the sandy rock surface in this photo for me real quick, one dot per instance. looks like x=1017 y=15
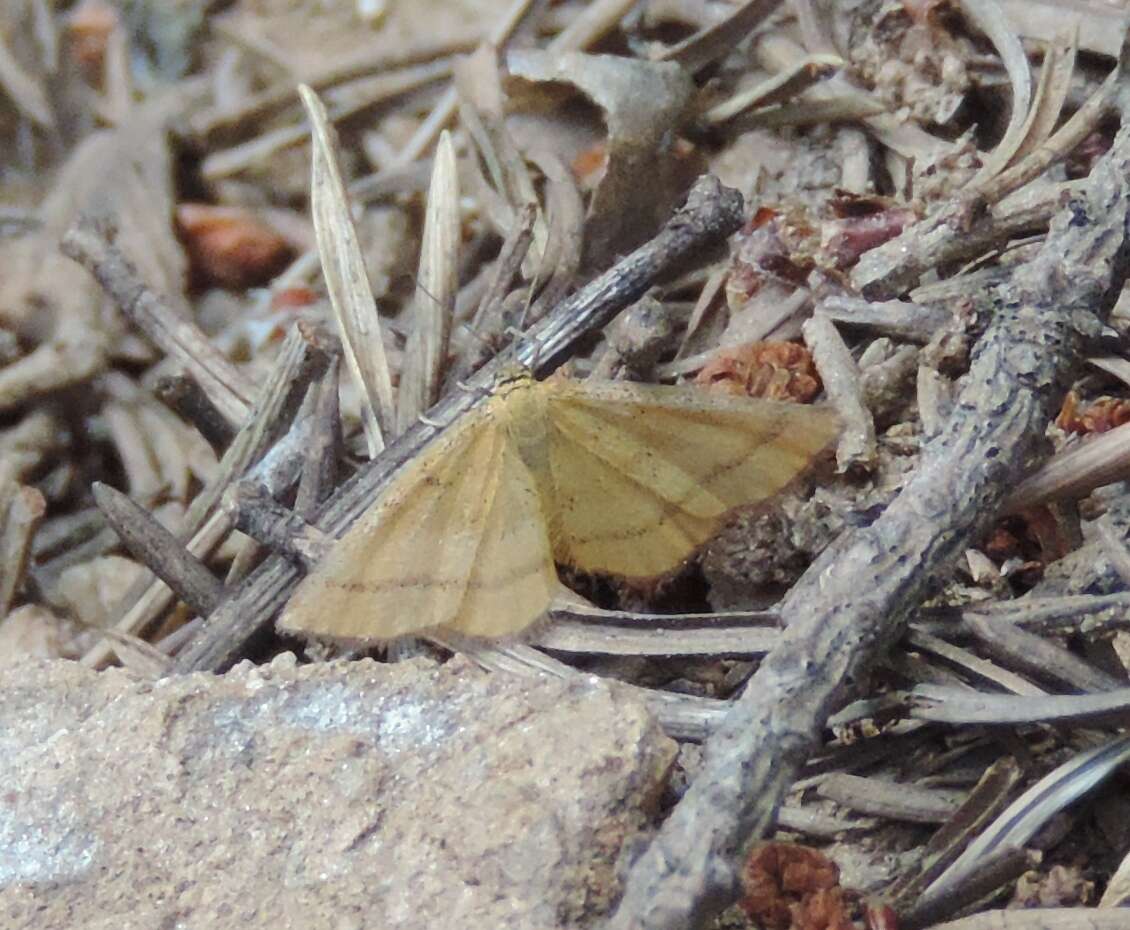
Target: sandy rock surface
x=343 y=796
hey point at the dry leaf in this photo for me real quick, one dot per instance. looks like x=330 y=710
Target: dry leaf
x=641 y=102
x=347 y=281
x=1099 y=416
x=777 y=370
x=230 y=246
x=627 y=479
x=438 y=282
x=89 y=25
x=787 y=886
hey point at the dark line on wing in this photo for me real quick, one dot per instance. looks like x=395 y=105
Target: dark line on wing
x=524 y=570
x=668 y=506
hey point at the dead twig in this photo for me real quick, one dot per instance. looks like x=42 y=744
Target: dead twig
x=1037 y=657
x=90 y=245
x=841 y=378
x=987 y=799
x=184 y=397
x=889 y=800
x=159 y=550
x=1001 y=868
x=319 y=469
x=301 y=359
x=1076 y=471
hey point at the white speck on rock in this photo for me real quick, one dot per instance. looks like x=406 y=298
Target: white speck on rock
x=43 y=850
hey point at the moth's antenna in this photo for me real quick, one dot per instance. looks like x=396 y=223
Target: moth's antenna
x=535 y=286
x=524 y=319
x=415 y=280
x=468 y=329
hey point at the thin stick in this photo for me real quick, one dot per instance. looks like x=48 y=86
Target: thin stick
x=262 y=518
x=841 y=378
x=302 y=359
x=89 y=245
x=509 y=262
x=182 y=395
x=319 y=468
x=159 y=550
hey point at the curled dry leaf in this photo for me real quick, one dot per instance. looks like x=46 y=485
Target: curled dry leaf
x=777 y=370
x=230 y=246
x=774 y=245
x=1060 y=886
x=1029 y=540
x=991 y=20
x=640 y=101
x=89 y=25
x=1099 y=416
x=861 y=223
x=786 y=886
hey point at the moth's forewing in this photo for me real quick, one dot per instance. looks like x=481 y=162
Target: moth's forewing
x=644 y=474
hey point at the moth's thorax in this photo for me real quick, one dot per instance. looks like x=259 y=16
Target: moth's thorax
x=521 y=406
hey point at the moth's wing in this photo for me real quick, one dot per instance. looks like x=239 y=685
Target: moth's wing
x=644 y=474
x=422 y=555
x=513 y=578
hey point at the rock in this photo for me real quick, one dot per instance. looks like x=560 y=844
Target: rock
x=93 y=591
x=344 y=795
x=33 y=632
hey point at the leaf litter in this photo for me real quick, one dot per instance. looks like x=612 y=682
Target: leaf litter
x=439 y=177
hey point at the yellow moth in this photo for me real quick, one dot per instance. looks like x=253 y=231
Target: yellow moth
x=614 y=477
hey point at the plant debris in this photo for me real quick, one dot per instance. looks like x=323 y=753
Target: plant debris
x=257 y=256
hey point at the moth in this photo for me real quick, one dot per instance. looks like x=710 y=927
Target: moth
x=614 y=477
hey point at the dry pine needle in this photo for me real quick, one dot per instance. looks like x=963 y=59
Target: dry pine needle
x=626 y=479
